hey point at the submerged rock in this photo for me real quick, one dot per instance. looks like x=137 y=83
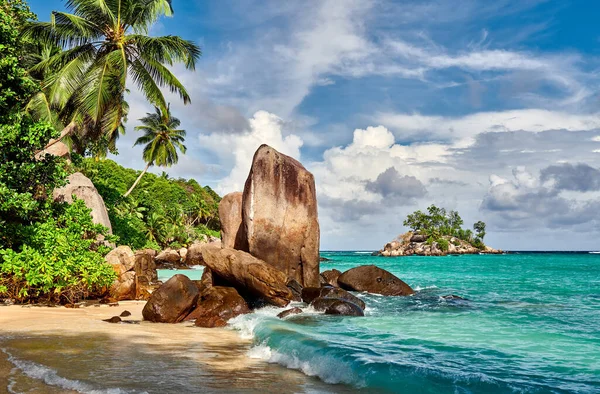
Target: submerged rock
x=279 y=214
x=454 y=297
x=375 y=280
x=172 y=301
x=344 y=308
x=322 y=303
x=249 y=275
x=288 y=312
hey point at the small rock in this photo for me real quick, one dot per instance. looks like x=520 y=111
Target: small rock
x=125 y=314
x=454 y=297
x=344 y=308
x=288 y=312
x=321 y=303
x=113 y=304
x=114 y=319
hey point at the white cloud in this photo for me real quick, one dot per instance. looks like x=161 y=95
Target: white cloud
x=236 y=151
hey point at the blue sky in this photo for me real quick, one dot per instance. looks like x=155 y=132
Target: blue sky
x=491 y=108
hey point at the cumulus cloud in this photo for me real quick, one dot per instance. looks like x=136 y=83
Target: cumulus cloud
x=236 y=151
x=580 y=177
x=526 y=201
x=397 y=188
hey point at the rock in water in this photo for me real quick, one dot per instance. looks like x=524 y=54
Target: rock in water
x=344 y=308
x=171 y=302
x=322 y=303
x=375 y=280
x=311 y=294
x=80 y=186
x=218 y=301
x=279 y=214
x=230 y=216
x=248 y=274
x=288 y=312
x=331 y=276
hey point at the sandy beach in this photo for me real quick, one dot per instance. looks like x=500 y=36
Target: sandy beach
x=55 y=349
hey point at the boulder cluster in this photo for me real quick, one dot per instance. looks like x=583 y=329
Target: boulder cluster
x=268 y=255
x=410 y=244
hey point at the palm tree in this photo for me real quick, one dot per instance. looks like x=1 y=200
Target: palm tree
x=105 y=44
x=162 y=140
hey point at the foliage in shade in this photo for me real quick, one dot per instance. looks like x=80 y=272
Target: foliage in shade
x=105 y=45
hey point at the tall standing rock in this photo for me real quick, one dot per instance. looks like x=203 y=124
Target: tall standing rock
x=80 y=186
x=279 y=214
x=230 y=216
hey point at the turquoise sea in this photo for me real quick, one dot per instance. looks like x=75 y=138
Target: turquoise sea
x=531 y=325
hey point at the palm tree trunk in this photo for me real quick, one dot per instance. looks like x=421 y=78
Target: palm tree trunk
x=65 y=132
x=137 y=180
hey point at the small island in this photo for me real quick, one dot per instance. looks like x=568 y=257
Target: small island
x=438 y=232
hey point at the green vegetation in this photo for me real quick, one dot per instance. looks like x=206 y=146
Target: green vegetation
x=159 y=212
x=162 y=140
x=87 y=57
x=70 y=74
x=48 y=251
x=438 y=223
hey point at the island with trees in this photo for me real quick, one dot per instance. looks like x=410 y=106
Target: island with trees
x=437 y=232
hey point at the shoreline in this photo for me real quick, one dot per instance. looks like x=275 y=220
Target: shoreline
x=46 y=342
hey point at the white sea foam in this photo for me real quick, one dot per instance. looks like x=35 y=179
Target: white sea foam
x=50 y=377
x=419 y=288
x=197 y=267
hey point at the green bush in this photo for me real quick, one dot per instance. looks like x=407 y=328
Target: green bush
x=62 y=261
x=443 y=244
x=478 y=243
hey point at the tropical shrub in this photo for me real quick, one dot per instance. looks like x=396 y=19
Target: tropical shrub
x=61 y=262
x=443 y=244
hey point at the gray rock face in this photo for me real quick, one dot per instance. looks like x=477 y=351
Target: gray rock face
x=80 y=186
x=279 y=215
x=230 y=216
x=375 y=280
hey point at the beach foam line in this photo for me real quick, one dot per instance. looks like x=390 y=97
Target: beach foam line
x=51 y=377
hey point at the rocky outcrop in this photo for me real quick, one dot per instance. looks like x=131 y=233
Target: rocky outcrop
x=146 y=276
x=122 y=260
x=252 y=277
x=410 y=244
x=194 y=254
x=344 y=308
x=169 y=256
x=124 y=287
x=230 y=216
x=375 y=280
x=80 y=186
x=279 y=215
x=218 y=303
x=172 y=301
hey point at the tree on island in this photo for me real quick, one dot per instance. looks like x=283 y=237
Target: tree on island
x=438 y=222
x=162 y=139
x=105 y=44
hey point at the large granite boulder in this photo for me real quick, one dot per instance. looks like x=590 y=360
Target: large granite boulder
x=122 y=259
x=172 y=301
x=169 y=256
x=250 y=276
x=230 y=216
x=375 y=280
x=80 y=186
x=279 y=213
x=310 y=294
x=217 y=301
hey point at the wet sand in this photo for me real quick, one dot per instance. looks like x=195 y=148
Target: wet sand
x=73 y=350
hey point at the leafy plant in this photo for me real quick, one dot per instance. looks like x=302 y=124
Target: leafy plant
x=62 y=261
x=443 y=244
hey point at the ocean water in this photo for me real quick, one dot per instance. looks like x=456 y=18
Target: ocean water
x=531 y=325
